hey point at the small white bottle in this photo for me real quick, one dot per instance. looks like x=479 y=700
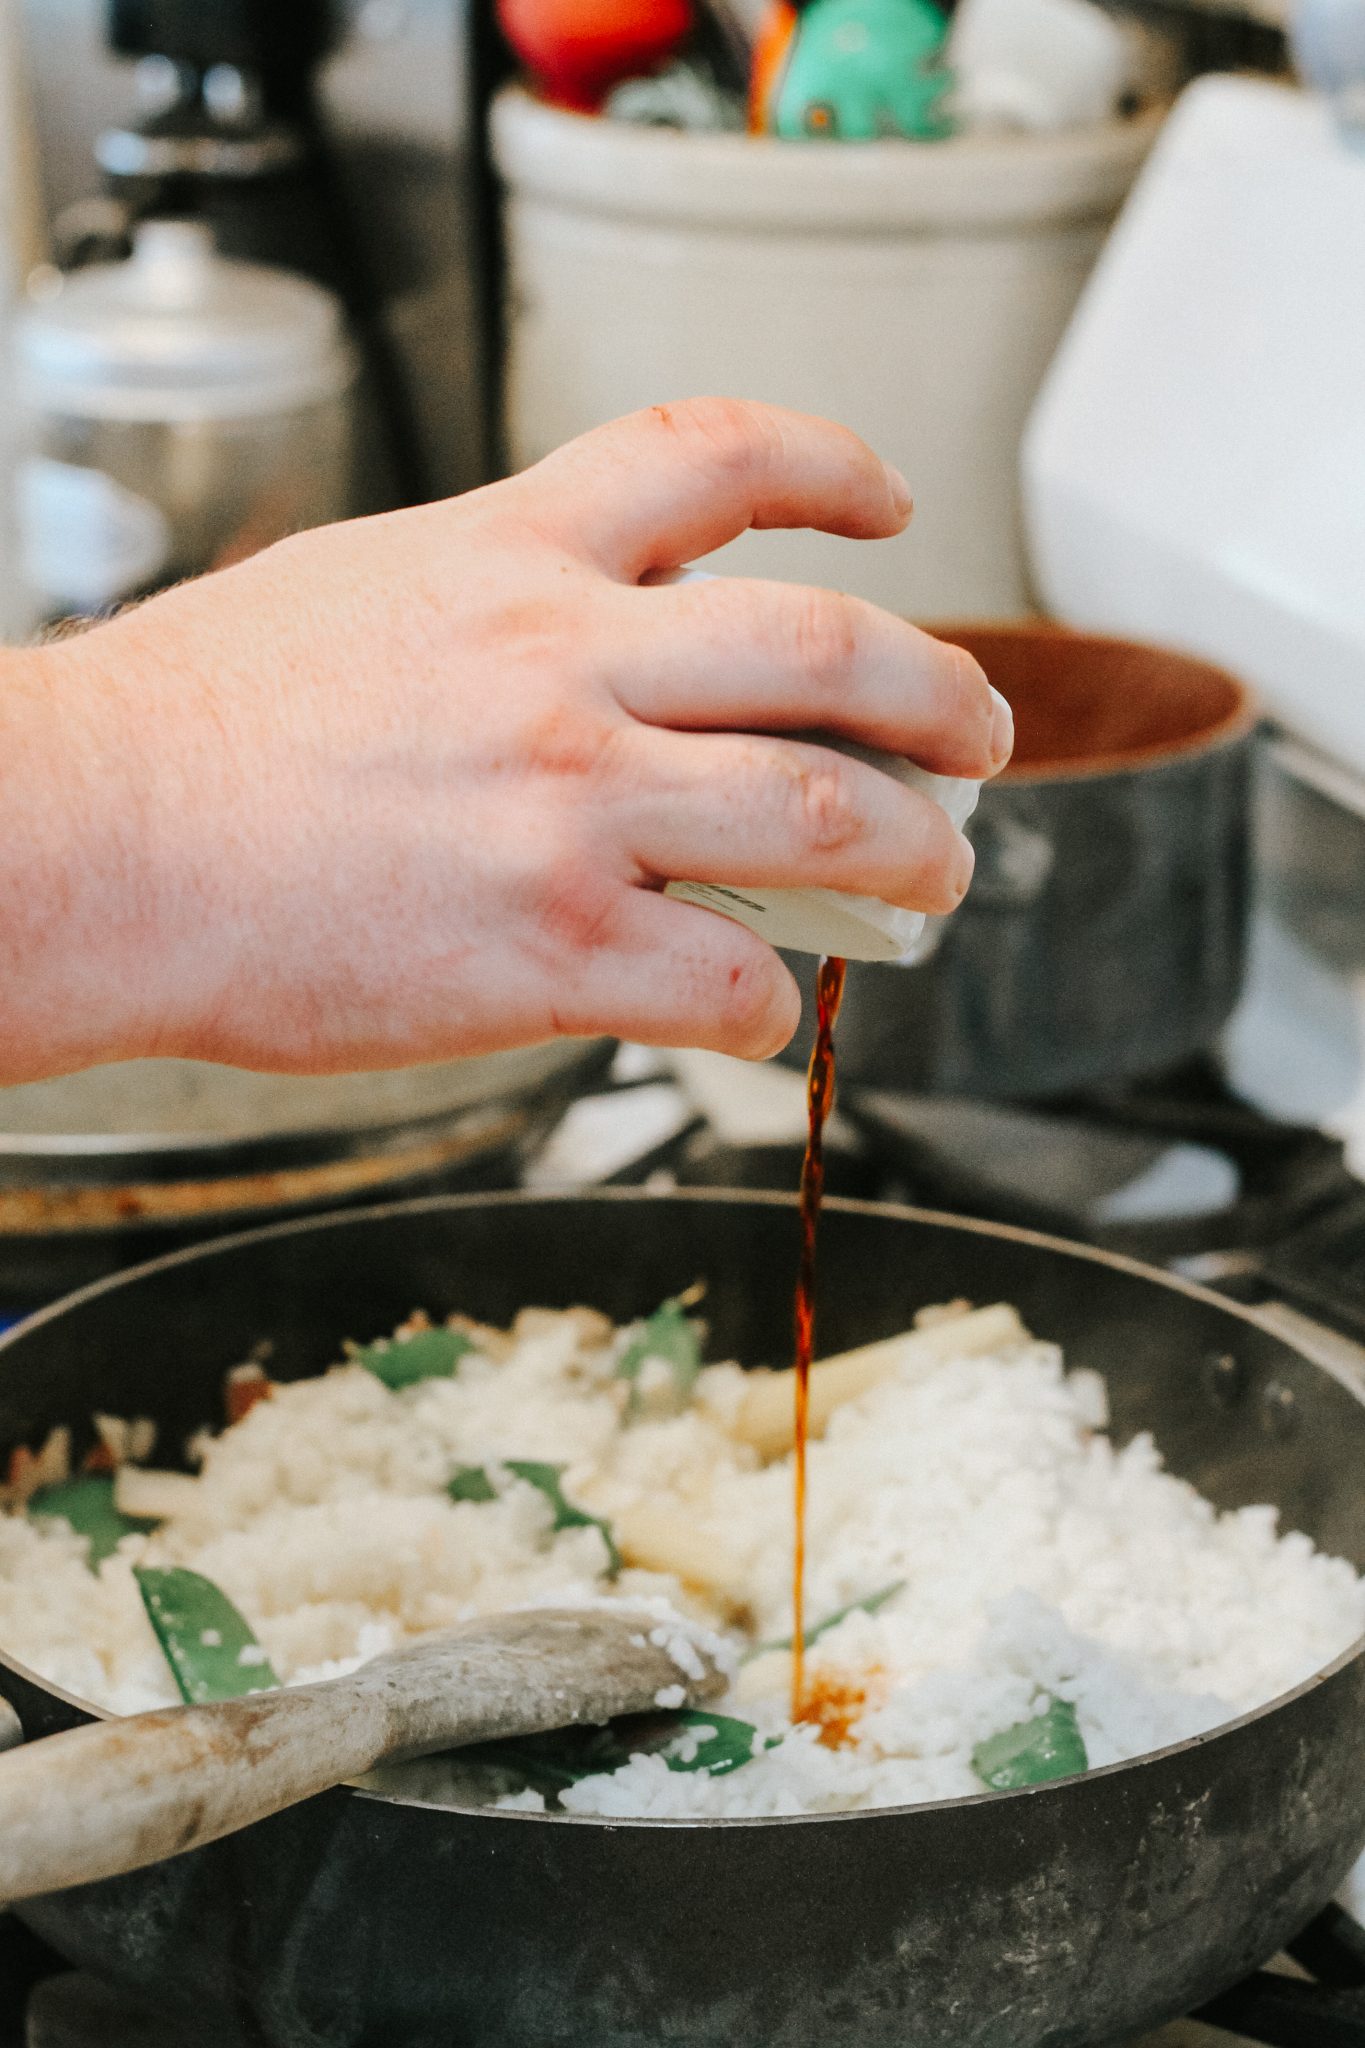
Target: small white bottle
x=824 y=920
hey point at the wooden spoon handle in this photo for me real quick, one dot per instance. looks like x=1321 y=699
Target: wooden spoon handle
x=100 y=1800
x=111 y=1797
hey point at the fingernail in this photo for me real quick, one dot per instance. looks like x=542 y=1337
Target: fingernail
x=900 y=491
x=1002 y=729
x=964 y=867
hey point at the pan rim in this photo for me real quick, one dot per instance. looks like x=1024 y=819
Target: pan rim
x=513 y=1198
x=1237 y=726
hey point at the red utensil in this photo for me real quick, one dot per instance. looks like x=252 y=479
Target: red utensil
x=577 y=50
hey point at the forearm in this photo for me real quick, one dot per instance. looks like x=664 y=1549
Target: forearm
x=77 y=920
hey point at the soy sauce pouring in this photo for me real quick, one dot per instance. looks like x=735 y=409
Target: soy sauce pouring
x=829 y=989
x=837 y=928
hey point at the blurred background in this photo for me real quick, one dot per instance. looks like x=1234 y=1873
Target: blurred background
x=1093 y=275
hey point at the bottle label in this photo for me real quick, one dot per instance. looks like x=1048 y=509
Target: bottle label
x=814 y=920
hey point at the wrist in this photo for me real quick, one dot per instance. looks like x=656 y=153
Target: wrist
x=80 y=921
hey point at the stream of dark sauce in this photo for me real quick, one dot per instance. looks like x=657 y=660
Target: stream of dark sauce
x=829 y=989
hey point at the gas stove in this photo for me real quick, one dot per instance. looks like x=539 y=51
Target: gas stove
x=1243 y=1170
x=1181 y=1171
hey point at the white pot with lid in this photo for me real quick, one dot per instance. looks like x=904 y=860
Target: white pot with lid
x=180 y=409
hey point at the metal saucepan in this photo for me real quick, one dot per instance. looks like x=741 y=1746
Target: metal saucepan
x=105 y=1169
x=1104 y=932
x=1073 y=1914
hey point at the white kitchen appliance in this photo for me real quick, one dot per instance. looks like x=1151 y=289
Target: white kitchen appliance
x=1194 y=469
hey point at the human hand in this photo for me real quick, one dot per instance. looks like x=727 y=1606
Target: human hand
x=410 y=787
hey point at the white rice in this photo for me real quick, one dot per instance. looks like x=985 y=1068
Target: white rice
x=1038 y=1562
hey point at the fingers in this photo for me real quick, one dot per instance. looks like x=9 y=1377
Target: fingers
x=753 y=656
x=680 y=976
x=778 y=813
x=658 y=488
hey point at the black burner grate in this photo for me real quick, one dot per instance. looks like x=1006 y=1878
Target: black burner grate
x=1325 y=2009
x=1170 y=1170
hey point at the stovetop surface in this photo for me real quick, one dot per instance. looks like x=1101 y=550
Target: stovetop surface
x=1240 y=1171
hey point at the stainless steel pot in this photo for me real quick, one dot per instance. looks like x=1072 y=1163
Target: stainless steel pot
x=101 y=1170
x=1104 y=933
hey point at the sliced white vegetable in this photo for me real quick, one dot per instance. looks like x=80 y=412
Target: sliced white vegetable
x=764 y=1417
x=659 y=1539
x=126 y=1440
x=153 y=1496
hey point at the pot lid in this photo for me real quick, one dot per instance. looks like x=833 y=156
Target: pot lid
x=178 y=331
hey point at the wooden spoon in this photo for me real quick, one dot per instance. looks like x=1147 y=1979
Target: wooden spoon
x=100 y=1800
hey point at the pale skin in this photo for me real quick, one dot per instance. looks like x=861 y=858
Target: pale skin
x=409 y=788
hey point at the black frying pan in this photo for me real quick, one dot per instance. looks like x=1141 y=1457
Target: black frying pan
x=1074 y=1914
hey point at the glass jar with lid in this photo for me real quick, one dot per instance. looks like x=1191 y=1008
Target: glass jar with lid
x=178 y=410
